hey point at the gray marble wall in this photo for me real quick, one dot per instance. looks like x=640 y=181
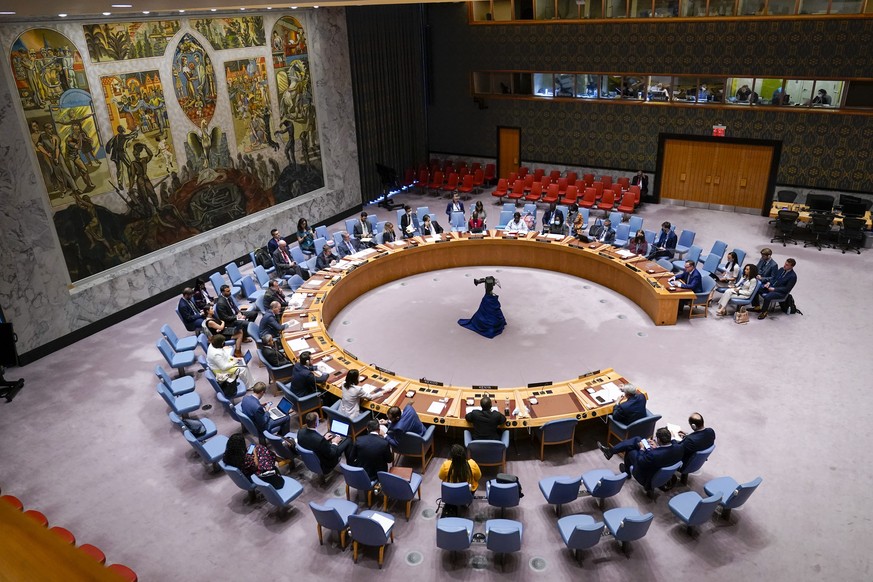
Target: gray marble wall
x=35 y=290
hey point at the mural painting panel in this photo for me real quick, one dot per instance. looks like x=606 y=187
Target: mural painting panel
x=229 y=33
x=194 y=81
x=119 y=41
x=250 y=104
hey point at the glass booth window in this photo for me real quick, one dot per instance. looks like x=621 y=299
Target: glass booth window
x=813 y=7
x=848 y=6
x=502 y=10
x=545 y=9
x=800 y=92
x=719 y=7
x=752 y=8
x=616 y=8
x=634 y=88
x=610 y=87
x=739 y=91
x=660 y=88
x=568 y=10
x=770 y=92
x=666 y=8
x=543 y=85
x=524 y=9
x=827 y=94
x=565 y=85
x=482 y=83
x=780 y=7
x=481 y=11
x=591 y=8
x=586 y=86
x=501 y=84
x=708 y=90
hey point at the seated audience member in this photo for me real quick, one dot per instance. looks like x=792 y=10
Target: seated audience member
x=430 y=227
x=407 y=222
x=454 y=206
x=607 y=233
x=778 y=288
x=371 y=452
x=285 y=265
x=303 y=379
x=731 y=270
x=191 y=316
x=326 y=258
x=352 y=394
x=363 y=231
x=235 y=321
x=252 y=407
x=259 y=462
x=638 y=244
x=347 y=246
x=274 y=353
x=212 y=325
x=273 y=243
x=202 y=298
x=665 y=245
x=822 y=98
x=225 y=366
x=553 y=220
x=305 y=237
x=516 y=225
x=572 y=217
x=631 y=407
x=388 y=234
x=641 y=461
x=743 y=94
x=274 y=293
x=486 y=422
x=741 y=290
x=475 y=224
x=767 y=267
x=328 y=451
x=700 y=439
x=399 y=423
x=642 y=181
x=270 y=321
x=688 y=279
x=480 y=210
x=459 y=469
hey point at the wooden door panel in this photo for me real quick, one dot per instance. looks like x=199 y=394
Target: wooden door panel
x=508 y=150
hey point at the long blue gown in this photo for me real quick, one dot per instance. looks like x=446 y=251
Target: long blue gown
x=488 y=320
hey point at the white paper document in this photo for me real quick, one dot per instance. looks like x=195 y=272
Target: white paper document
x=390 y=386
x=310 y=324
x=625 y=254
x=436 y=407
x=324 y=368
x=385 y=522
x=298 y=345
x=674 y=431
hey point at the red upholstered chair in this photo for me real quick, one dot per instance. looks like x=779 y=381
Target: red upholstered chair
x=123 y=571
x=64 y=534
x=627 y=203
x=570 y=196
x=588 y=179
x=408 y=178
x=606 y=181
x=571 y=178
x=461 y=165
x=522 y=171
x=616 y=188
x=451 y=184
x=562 y=186
x=528 y=182
x=545 y=181
x=536 y=192
x=436 y=181
x=512 y=179
x=517 y=190
x=607 y=202
x=478 y=179
x=554 y=175
x=462 y=172
x=501 y=190
x=551 y=194
x=423 y=178
x=448 y=167
x=490 y=173
x=538 y=174
x=13 y=501
x=467 y=186
x=624 y=181
x=589 y=198
x=37 y=516
x=93 y=552
x=636 y=192
x=475 y=166
x=598 y=186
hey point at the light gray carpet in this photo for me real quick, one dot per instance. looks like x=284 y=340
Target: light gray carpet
x=89 y=444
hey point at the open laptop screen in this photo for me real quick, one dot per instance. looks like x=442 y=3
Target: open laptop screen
x=339 y=427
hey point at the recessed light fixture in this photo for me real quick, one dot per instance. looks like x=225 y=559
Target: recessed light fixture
x=316 y=6
x=269 y=7
x=107 y=14
x=6 y=13
x=213 y=9
x=243 y=9
x=146 y=11
x=181 y=12
x=293 y=8
x=122 y=5
x=63 y=14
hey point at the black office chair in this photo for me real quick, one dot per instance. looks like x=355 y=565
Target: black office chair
x=786 y=224
x=786 y=196
x=851 y=235
x=821 y=228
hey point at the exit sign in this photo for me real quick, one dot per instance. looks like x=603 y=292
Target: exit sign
x=718 y=130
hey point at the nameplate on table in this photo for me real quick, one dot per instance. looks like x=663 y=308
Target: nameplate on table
x=384 y=370
x=474 y=387
x=430 y=382
x=594 y=373
x=538 y=384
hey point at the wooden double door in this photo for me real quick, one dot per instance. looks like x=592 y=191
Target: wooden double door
x=717 y=173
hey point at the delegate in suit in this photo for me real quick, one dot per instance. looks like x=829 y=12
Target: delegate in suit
x=700 y=439
x=371 y=452
x=665 y=244
x=642 y=462
x=486 y=422
x=632 y=407
x=328 y=451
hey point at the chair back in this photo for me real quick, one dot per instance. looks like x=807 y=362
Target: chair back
x=319 y=245
x=201 y=450
x=166 y=350
x=268 y=491
x=504 y=539
x=409 y=443
x=665 y=264
x=247 y=422
x=233 y=273
x=297 y=252
x=294 y=282
x=633 y=527
x=686 y=239
x=367 y=531
x=635 y=223
x=337 y=237
x=395 y=487
x=559 y=431
x=458 y=222
x=650 y=237
x=703 y=510
x=643 y=427
x=707 y=284
x=311 y=264
x=621 y=234
x=505 y=217
x=710 y=265
x=163 y=376
x=456 y=493
x=420 y=212
x=741 y=256
x=454 y=534
x=262 y=276
x=564 y=490
x=167 y=395
x=327 y=516
x=742 y=493
x=321 y=231
x=276 y=444
x=615 y=219
x=356 y=477
x=171 y=336
x=249 y=288
x=228 y=406
x=503 y=494
x=609 y=485
x=585 y=535
x=696 y=461
x=255 y=332
x=237 y=477
x=693 y=254
x=487 y=452
x=350 y=226
x=718 y=249
x=217 y=281
x=310 y=459
x=664 y=474
x=786 y=196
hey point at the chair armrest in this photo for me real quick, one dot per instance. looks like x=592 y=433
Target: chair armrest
x=468 y=437
x=504 y=438
x=428 y=434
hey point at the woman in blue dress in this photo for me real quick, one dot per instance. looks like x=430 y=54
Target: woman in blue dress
x=488 y=320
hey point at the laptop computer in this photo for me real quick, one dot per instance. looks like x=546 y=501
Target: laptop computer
x=281 y=410
x=338 y=428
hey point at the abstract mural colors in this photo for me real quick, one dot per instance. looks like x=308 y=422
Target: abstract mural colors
x=194 y=81
x=230 y=33
x=250 y=103
x=297 y=120
x=121 y=41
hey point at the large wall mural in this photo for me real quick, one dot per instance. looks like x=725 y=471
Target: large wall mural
x=127 y=189
x=119 y=41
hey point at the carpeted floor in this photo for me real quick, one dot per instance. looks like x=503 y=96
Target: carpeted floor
x=89 y=444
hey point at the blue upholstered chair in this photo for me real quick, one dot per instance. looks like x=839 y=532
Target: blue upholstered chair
x=413 y=445
x=557 y=432
x=371 y=528
x=298 y=255
x=419 y=214
x=249 y=289
x=177 y=387
x=738 y=302
x=531 y=207
x=488 y=453
x=650 y=237
x=181 y=405
x=217 y=281
x=644 y=428
x=683 y=245
x=276 y=373
x=240 y=385
x=695 y=463
x=312 y=462
x=177 y=360
x=636 y=224
x=560 y=490
x=733 y=494
x=281 y=498
x=319 y=245
x=627 y=524
x=603 y=483
x=396 y=487
x=458 y=494
x=502 y=495
x=294 y=282
x=622 y=232
x=580 y=532
x=710 y=266
x=178 y=344
x=248 y=424
x=503 y=536
x=308 y=403
x=321 y=231
x=357 y=478
x=211 y=430
x=614 y=218
x=741 y=256
x=239 y=479
x=702 y=299
x=718 y=249
x=454 y=534
x=333 y=515
x=692 y=509
x=262 y=273
x=227 y=405
x=665 y=264
x=210 y=451
x=505 y=218
x=338 y=237
x=277 y=444
x=185 y=324
x=458 y=222
x=233 y=274
x=357 y=425
x=662 y=476
x=692 y=255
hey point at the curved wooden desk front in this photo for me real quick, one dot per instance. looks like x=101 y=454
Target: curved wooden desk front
x=582 y=398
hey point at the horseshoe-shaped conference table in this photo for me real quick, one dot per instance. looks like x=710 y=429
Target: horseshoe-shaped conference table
x=591 y=395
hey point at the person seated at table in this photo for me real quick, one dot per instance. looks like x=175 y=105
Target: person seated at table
x=742 y=289
x=700 y=439
x=641 y=461
x=388 y=234
x=371 y=452
x=731 y=270
x=326 y=258
x=407 y=222
x=303 y=379
x=328 y=451
x=285 y=265
x=517 y=225
x=526 y=215
x=486 y=422
x=607 y=233
x=743 y=94
x=212 y=325
x=638 y=244
x=475 y=224
x=399 y=423
x=202 y=298
x=459 y=469
x=225 y=366
x=480 y=210
x=822 y=98
x=347 y=246
x=270 y=321
x=430 y=227
x=631 y=406
x=305 y=237
x=665 y=244
x=191 y=316
x=688 y=279
x=273 y=353
x=274 y=293
x=252 y=407
x=553 y=220
x=778 y=288
x=350 y=404
x=454 y=206
x=363 y=231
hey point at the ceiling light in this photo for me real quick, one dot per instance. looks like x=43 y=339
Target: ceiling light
x=213 y=9
x=146 y=11
x=6 y=13
x=122 y=5
x=107 y=14
x=293 y=8
x=63 y=14
x=269 y=7
x=181 y=12
x=316 y=6
x=242 y=9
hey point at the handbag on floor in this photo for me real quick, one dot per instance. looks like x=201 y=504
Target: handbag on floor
x=742 y=315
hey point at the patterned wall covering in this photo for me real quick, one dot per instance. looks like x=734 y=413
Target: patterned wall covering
x=820 y=149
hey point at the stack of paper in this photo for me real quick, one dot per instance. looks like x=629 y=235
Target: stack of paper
x=298 y=345
x=624 y=253
x=390 y=386
x=324 y=368
x=385 y=522
x=309 y=324
x=436 y=407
